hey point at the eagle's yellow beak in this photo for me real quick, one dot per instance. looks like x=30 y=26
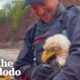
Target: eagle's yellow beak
x=46 y=55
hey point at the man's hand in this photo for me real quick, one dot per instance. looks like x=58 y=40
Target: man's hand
x=41 y=72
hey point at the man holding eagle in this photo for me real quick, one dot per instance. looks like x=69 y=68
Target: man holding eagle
x=41 y=40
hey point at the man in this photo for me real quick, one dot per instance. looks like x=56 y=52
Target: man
x=53 y=18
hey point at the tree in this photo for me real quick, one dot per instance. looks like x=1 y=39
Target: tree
x=13 y=11
x=16 y=14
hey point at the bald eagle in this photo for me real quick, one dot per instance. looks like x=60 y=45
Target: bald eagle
x=56 y=49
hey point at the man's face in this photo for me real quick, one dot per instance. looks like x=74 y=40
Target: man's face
x=46 y=10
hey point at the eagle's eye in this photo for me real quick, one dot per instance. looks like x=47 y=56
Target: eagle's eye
x=52 y=49
x=49 y=50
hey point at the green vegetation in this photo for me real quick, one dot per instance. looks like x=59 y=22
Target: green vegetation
x=14 y=12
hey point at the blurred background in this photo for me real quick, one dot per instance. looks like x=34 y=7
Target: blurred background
x=15 y=18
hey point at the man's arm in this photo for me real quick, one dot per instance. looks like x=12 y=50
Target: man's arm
x=71 y=70
x=25 y=58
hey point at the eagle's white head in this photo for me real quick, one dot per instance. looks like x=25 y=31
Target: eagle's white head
x=58 y=46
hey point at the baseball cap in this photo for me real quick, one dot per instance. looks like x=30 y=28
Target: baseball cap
x=33 y=1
